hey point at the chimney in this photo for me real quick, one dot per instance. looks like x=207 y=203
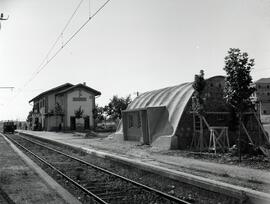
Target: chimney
x=84 y=83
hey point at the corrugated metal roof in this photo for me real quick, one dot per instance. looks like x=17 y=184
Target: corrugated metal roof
x=175 y=99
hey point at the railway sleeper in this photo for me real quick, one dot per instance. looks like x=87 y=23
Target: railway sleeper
x=116 y=199
x=110 y=189
x=94 y=186
x=110 y=194
x=106 y=186
x=103 y=191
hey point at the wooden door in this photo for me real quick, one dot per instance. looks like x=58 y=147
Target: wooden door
x=72 y=123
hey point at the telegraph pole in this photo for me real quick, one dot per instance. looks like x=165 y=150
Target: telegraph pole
x=2 y=18
x=7 y=87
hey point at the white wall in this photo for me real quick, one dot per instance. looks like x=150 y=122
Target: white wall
x=87 y=106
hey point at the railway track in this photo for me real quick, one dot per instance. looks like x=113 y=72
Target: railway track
x=4 y=198
x=95 y=184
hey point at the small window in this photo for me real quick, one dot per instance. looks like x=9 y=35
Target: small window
x=211 y=85
x=268 y=94
x=219 y=85
x=268 y=86
x=259 y=86
x=264 y=112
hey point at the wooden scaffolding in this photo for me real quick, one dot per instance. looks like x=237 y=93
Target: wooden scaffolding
x=218 y=138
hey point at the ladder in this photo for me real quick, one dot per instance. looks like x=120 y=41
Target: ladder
x=197 y=140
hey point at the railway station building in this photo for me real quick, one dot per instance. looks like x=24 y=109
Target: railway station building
x=57 y=108
x=165 y=119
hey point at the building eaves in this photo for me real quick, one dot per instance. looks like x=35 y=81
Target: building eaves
x=55 y=89
x=96 y=93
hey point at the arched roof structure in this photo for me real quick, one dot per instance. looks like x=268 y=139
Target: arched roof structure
x=174 y=98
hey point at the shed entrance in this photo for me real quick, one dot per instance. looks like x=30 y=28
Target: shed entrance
x=143 y=124
x=136 y=126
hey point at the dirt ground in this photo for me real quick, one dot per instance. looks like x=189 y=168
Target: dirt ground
x=106 y=142
x=19 y=182
x=255 y=162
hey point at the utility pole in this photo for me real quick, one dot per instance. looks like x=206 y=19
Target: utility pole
x=2 y=18
x=7 y=87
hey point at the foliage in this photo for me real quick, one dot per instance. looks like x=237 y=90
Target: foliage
x=238 y=89
x=58 y=109
x=29 y=117
x=116 y=105
x=98 y=113
x=78 y=113
x=198 y=85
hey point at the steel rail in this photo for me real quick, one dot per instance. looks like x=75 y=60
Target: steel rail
x=5 y=196
x=150 y=189
x=98 y=199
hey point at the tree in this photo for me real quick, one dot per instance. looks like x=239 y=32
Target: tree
x=98 y=113
x=116 y=105
x=238 y=89
x=29 y=118
x=58 y=109
x=198 y=106
x=78 y=113
x=198 y=85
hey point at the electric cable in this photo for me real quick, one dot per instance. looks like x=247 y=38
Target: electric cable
x=48 y=60
x=55 y=42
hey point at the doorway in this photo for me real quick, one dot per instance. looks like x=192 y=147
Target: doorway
x=72 y=123
x=86 y=123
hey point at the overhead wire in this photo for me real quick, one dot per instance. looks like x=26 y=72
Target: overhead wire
x=73 y=35
x=48 y=59
x=55 y=42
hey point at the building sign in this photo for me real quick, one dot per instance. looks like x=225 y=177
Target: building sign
x=79 y=99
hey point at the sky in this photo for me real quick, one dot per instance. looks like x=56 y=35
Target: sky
x=129 y=46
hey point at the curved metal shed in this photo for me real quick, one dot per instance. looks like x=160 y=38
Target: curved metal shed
x=164 y=109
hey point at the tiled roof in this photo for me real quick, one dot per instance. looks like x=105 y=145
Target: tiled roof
x=56 y=89
x=79 y=86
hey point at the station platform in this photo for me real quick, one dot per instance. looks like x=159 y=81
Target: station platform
x=22 y=181
x=227 y=179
